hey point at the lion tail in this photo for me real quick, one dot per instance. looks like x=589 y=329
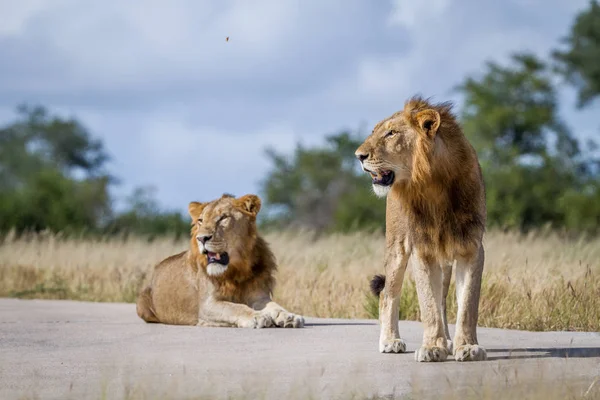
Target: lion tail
x=377 y=284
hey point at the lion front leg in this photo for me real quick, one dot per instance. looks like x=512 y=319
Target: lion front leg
x=469 y=272
x=233 y=314
x=214 y=324
x=428 y=279
x=389 y=301
x=280 y=316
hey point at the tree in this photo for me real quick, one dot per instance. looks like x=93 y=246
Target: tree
x=51 y=174
x=511 y=113
x=321 y=188
x=579 y=63
x=534 y=170
x=144 y=217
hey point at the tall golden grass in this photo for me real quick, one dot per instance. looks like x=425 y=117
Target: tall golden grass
x=536 y=282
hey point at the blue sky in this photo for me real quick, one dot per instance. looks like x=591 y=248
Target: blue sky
x=182 y=110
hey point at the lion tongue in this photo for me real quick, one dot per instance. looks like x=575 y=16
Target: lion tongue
x=216 y=256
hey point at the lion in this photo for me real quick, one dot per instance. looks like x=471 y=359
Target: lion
x=225 y=279
x=421 y=161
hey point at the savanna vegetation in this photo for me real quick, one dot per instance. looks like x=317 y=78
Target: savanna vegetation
x=537 y=281
x=62 y=237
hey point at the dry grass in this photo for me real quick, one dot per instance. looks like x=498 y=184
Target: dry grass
x=534 y=282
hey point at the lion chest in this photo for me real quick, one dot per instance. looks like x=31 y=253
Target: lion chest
x=230 y=291
x=444 y=234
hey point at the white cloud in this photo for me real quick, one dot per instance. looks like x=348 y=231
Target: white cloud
x=417 y=14
x=103 y=47
x=202 y=163
x=448 y=41
x=15 y=14
x=157 y=81
x=185 y=161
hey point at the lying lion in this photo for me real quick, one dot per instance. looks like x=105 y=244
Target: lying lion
x=224 y=279
x=420 y=159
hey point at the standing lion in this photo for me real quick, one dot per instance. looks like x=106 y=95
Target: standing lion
x=435 y=215
x=224 y=279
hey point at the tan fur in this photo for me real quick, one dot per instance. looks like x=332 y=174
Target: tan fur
x=435 y=217
x=186 y=290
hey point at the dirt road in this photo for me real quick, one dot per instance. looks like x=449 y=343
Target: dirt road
x=65 y=349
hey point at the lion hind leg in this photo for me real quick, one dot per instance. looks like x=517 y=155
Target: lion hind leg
x=144 y=306
x=468 y=287
x=446 y=277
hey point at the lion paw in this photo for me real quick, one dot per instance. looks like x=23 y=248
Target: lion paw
x=431 y=354
x=257 y=322
x=470 y=352
x=392 y=346
x=288 y=320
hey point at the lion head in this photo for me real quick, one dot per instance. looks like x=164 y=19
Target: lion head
x=224 y=232
x=400 y=148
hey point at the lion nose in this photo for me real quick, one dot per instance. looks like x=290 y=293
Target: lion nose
x=204 y=239
x=361 y=156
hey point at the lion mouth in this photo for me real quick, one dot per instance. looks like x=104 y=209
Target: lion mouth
x=217 y=258
x=382 y=178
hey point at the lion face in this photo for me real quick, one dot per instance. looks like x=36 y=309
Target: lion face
x=224 y=230
x=388 y=154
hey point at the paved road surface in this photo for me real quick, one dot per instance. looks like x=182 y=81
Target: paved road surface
x=65 y=349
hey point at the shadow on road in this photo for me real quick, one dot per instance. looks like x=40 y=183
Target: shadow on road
x=573 y=352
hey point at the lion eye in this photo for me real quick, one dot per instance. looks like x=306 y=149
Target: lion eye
x=200 y=221
x=390 y=134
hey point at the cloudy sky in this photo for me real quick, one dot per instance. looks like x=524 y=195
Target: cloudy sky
x=182 y=110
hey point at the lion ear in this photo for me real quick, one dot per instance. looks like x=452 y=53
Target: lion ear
x=249 y=204
x=428 y=121
x=195 y=209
